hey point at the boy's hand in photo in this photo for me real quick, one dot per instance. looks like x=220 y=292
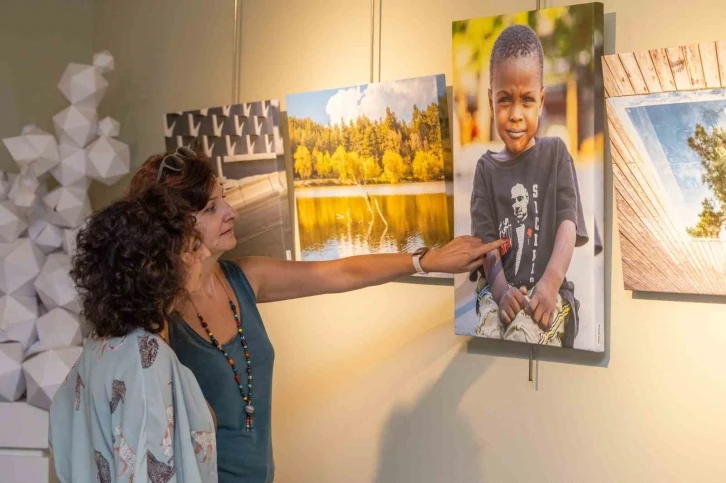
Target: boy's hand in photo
x=511 y=302
x=542 y=304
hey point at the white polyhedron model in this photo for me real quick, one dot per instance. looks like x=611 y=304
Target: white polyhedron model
x=73 y=167
x=45 y=235
x=23 y=332
x=24 y=192
x=45 y=372
x=19 y=313
x=110 y=160
x=56 y=329
x=16 y=309
x=12 y=380
x=103 y=61
x=32 y=266
x=76 y=125
x=83 y=85
x=69 y=240
x=20 y=263
x=12 y=222
x=6 y=181
x=109 y=127
x=54 y=285
x=68 y=206
x=35 y=151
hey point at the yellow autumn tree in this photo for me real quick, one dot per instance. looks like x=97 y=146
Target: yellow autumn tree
x=393 y=166
x=427 y=166
x=303 y=162
x=371 y=168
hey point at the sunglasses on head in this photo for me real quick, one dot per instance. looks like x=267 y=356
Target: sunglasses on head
x=175 y=161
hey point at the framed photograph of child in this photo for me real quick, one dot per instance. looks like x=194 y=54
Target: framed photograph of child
x=528 y=166
x=666 y=111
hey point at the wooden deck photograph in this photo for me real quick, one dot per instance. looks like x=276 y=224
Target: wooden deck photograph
x=666 y=111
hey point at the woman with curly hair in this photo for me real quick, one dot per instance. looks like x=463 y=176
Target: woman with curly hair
x=128 y=410
x=219 y=332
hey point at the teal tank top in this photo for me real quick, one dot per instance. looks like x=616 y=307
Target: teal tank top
x=241 y=456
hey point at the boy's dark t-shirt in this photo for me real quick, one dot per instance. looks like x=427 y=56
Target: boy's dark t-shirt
x=525 y=199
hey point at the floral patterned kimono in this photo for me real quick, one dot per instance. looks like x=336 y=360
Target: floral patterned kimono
x=130 y=412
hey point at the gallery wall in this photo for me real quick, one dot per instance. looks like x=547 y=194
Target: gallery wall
x=373 y=385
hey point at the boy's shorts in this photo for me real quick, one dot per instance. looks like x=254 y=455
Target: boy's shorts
x=522 y=328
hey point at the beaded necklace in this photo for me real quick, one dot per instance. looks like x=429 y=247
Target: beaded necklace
x=249 y=409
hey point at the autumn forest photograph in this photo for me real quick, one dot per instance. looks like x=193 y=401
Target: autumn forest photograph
x=370 y=167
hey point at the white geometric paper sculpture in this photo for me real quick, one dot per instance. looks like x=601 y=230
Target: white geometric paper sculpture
x=109 y=127
x=57 y=329
x=20 y=150
x=6 y=180
x=103 y=61
x=45 y=372
x=20 y=263
x=69 y=240
x=24 y=192
x=73 y=167
x=18 y=315
x=35 y=224
x=23 y=332
x=17 y=309
x=110 y=160
x=76 y=125
x=12 y=380
x=12 y=222
x=34 y=151
x=83 y=85
x=68 y=206
x=46 y=236
x=54 y=285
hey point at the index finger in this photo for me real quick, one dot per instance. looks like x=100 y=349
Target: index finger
x=488 y=247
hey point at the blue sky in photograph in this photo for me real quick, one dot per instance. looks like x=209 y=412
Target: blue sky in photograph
x=333 y=105
x=673 y=124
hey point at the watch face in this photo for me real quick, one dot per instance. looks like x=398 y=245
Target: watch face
x=420 y=251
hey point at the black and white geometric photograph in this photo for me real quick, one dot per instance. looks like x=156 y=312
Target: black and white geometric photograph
x=244 y=143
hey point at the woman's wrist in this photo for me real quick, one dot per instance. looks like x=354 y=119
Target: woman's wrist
x=428 y=261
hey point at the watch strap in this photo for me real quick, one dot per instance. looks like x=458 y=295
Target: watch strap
x=417 y=255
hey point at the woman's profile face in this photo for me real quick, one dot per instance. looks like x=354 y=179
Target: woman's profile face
x=216 y=223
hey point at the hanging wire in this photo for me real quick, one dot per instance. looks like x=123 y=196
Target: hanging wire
x=373 y=32
x=237 y=52
x=380 y=30
x=235 y=60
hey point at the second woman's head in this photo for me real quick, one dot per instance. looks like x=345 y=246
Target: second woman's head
x=190 y=175
x=136 y=259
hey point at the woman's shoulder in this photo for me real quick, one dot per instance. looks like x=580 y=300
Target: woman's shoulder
x=240 y=274
x=136 y=350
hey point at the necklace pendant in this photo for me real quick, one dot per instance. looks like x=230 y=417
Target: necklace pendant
x=249 y=409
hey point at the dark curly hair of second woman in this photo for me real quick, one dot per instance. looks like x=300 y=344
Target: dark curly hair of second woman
x=129 y=266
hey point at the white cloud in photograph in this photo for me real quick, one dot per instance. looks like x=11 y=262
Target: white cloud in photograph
x=371 y=101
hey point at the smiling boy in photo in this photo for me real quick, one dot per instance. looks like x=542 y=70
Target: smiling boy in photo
x=527 y=192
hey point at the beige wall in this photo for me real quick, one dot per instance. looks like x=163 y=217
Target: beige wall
x=38 y=38
x=373 y=385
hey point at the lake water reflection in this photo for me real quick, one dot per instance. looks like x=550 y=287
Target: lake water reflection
x=336 y=222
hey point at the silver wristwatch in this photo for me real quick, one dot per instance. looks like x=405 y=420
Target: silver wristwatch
x=417 y=256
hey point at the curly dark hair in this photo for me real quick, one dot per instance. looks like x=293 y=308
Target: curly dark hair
x=515 y=42
x=195 y=182
x=128 y=266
